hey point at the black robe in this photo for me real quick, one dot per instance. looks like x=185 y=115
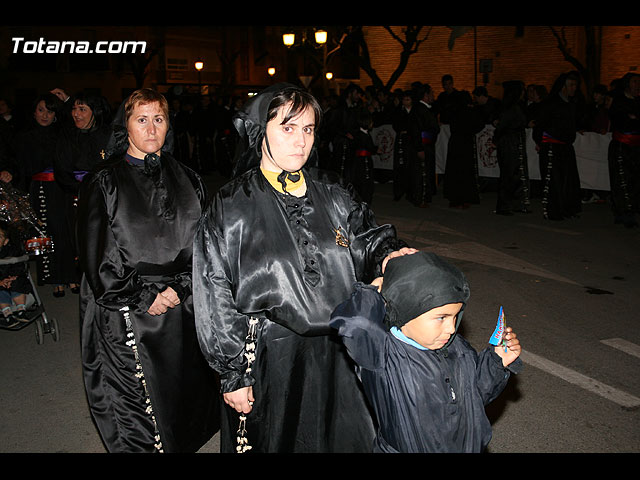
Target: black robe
x=405 y=151
x=555 y=132
x=461 y=186
x=624 y=158
x=35 y=153
x=77 y=152
x=423 y=176
x=362 y=165
x=510 y=140
x=135 y=236
x=287 y=262
x=426 y=401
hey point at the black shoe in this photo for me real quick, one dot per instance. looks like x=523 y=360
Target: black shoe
x=58 y=293
x=75 y=289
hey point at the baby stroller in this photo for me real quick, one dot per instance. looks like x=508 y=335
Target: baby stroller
x=16 y=210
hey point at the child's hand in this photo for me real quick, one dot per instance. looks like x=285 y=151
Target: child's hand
x=513 y=347
x=6 y=282
x=377 y=283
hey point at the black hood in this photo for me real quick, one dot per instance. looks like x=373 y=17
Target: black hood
x=119 y=140
x=251 y=124
x=414 y=284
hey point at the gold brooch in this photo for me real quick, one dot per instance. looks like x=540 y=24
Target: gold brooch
x=102 y=154
x=341 y=239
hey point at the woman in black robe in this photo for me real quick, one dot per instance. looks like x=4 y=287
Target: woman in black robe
x=555 y=132
x=35 y=148
x=362 y=160
x=278 y=248
x=461 y=186
x=405 y=148
x=510 y=139
x=148 y=385
x=624 y=152
x=81 y=147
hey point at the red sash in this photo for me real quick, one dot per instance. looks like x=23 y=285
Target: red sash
x=632 y=139
x=546 y=138
x=46 y=176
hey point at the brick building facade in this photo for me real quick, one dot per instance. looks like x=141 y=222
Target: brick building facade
x=530 y=54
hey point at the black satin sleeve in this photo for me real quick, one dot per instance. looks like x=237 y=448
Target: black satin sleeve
x=220 y=327
x=114 y=284
x=369 y=242
x=182 y=283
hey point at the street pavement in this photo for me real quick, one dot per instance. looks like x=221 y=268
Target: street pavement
x=569 y=289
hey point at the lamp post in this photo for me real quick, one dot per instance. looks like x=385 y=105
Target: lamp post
x=199 y=65
x=320 y=38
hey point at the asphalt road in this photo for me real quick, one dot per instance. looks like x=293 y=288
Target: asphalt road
x=569 y=289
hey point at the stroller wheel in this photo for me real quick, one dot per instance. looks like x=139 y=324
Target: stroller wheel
x=39 y=332
x=55 y=331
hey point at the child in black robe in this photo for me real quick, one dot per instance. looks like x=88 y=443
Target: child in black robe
x=426 y=384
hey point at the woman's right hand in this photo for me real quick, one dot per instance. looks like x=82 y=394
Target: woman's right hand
x=240 y=400
x=160 y=305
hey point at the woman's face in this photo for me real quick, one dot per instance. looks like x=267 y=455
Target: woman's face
x=43 y=115
x=82 y=116
x=290 y=143
x=147 y=127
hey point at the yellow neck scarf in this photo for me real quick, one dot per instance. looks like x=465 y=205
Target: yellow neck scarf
x=272 y=178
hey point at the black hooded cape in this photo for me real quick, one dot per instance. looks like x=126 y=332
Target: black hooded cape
x=148 y=385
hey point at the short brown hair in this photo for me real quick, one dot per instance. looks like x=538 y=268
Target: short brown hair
x=299 y=100
x=143 y=97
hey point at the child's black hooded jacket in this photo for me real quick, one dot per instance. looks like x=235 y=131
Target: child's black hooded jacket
x=424 y=400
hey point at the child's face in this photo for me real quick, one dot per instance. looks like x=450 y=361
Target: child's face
x=433 y=329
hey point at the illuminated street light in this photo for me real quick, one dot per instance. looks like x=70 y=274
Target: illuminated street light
x=321 y=37
x=289 y=39
x=271 y=71
x=329 y=75
x=199 y=66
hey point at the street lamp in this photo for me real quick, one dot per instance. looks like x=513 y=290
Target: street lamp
x=199 y=65
x=271 y=71
x=321 y=37
x=289 y=39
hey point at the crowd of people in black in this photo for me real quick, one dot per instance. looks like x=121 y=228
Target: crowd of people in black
x=555 y=116
x=46 y=150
